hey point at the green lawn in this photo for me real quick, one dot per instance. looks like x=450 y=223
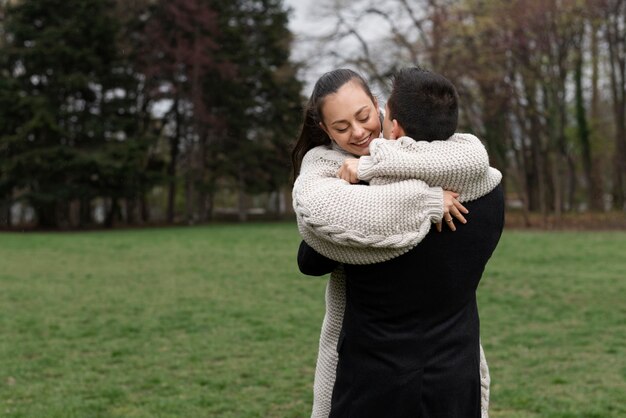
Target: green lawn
x=216 y=321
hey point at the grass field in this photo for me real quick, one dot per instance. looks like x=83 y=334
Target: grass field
x=217 y=322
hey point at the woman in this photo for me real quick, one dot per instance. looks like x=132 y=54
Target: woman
x=342 y=108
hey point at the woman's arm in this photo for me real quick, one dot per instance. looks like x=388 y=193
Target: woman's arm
x=460 y=164
x=460 y=155
x=393 y=215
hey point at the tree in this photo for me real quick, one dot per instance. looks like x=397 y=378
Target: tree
x=178 y=50
x=614 y=14
x=74 y=134
x=593 y=185
x=261 y=103
x=233 y=97
x=103 y=100
x=514 y=64
x=58 y=58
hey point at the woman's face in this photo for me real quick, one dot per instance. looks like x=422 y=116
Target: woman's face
x=351 y=118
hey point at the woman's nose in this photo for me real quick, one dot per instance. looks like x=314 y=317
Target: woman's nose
x=358 y=130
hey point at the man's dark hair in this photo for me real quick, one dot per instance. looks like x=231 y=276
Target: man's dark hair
x=424 y=104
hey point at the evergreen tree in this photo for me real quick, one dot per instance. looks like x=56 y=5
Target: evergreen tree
x=262 y=101
x=224 y=67
x=71 y=135
x=80 y=81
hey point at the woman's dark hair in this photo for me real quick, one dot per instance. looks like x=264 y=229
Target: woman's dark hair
x=312 y=135
x=424 y=103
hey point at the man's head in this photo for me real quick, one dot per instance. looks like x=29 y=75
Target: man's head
x=423 y=105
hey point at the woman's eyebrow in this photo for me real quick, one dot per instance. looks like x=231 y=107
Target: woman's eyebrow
x=361 y=110
x=355 y=113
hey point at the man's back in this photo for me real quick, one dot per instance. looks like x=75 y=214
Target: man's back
x=409 y=344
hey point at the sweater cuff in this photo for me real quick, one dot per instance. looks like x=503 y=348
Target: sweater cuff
x=433 y=204
x=365 y=168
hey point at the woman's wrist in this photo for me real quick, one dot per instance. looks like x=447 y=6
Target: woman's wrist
x=365 y=168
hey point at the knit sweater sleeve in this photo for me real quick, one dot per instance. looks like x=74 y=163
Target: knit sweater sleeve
x=393 y=215
x=460 y=163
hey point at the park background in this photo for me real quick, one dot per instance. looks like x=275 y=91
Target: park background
x=124 y=123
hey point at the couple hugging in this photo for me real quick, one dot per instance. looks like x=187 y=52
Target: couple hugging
x=400 y=337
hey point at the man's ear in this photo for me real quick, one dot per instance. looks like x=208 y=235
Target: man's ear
x=396 y=129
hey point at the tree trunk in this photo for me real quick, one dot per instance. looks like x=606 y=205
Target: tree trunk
x=47 y=215
x=615 y=33
x=144 y=208
x=242 y=198
x=537 y=171
x=595 y=73
x=201 y=204
x=5 y=213
x=598 y=184
x=205 y=201
x=210 y=205
x=618 y=183
x=113 y=213
x=557 y=176
x=131 y=209
x=495 y=109
x=519 y=179
x=84 y=213
x=189 y=201
x=594 y=190
x=276 y=196
x=569 y=167
x=620 y=149
x=287 y=198
x=171 y=169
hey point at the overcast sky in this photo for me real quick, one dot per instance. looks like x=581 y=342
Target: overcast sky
x=298 y=19
x=303 y=26
x=305 y=23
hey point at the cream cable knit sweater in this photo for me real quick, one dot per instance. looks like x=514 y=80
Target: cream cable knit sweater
x=321 y=201
x=359 y=224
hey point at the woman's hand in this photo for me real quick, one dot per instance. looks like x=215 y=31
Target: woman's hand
x=452 y=207
x=349 y=170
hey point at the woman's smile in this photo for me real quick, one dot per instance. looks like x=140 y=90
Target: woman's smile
x=365 y=142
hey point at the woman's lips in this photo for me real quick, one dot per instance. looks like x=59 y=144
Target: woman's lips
x=365 y=142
